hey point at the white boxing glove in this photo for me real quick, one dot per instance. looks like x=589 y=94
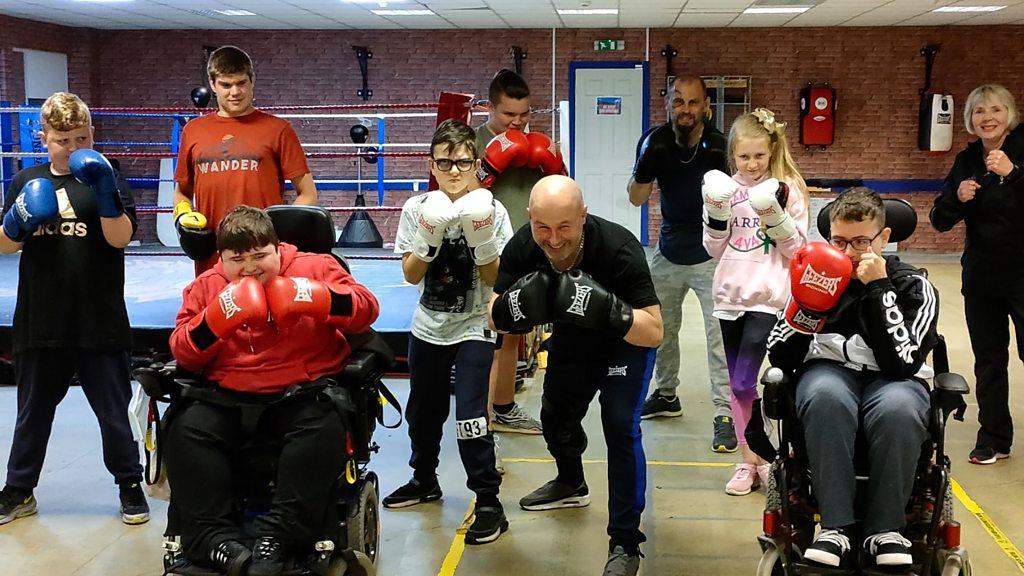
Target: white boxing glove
x=718 y=189
x=476 y=214
x=764 y=199
x=436 y=214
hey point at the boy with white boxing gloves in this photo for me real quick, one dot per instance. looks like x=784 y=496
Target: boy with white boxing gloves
x=450 y=240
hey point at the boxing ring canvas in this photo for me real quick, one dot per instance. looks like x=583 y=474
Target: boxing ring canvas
x=153 y=286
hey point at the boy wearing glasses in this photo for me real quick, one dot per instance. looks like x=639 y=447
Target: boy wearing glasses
x=857 y=331
x=450 y=240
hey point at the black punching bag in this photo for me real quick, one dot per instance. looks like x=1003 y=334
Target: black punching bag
x=360 y=231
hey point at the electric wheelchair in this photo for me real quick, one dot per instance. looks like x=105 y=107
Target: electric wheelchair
x=348 y=541
x=790 y=515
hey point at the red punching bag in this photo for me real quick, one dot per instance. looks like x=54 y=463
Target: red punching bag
x=817 y=115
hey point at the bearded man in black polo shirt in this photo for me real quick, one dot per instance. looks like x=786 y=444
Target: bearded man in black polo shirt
x=590 y=278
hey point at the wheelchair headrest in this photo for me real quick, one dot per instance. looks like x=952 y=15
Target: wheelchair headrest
x=309 y=228
x=900 y=217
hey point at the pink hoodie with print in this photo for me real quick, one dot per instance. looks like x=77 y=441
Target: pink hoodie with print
x=752 y=274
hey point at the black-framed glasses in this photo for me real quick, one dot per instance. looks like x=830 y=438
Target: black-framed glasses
x=859 y=244
x=445 y=164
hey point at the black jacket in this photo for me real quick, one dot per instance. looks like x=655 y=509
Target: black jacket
x=887 y=326
x=994 y=218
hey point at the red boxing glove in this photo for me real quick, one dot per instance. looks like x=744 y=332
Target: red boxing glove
x=509 y=149
x=291 y=297
x=241 y=302
x=818 y=274
x=541 y=155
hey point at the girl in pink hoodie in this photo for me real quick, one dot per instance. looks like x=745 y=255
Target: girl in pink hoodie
x=753 y=223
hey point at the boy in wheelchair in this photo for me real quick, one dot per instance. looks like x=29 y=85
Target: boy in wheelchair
x=266 y=321
x=855 y=336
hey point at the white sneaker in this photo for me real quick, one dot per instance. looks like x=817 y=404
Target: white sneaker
x=516 y=421
x=889 y=549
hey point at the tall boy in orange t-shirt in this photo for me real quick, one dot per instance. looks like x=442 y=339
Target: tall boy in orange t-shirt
x=239 y=155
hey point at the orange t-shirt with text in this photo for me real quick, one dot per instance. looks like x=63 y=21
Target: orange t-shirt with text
x=224 y=162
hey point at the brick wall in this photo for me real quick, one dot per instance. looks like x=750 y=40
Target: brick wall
x=877 y=72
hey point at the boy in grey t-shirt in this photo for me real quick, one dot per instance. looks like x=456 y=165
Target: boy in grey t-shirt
x=450 y=240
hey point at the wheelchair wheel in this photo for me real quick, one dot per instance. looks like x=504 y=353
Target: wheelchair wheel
x=947 y=505
x=772 y=496
x=771 y=563
x=364 y=527
x=956 y=569
x=360 y=565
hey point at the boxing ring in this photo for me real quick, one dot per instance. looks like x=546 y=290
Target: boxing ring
x=156 y=273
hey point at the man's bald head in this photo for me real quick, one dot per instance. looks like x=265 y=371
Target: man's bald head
x=558 y=193
x=557 y=216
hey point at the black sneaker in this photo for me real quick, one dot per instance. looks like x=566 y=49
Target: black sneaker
x=725 y=435
x=267 y=557
x=660 y=406
x=889 y=549
x=830 y=548
x=134 y=508
x=489 y=522
x=986 y=456
x=16 y=503
x=231 y=556
x=554 y=495
x=413 y=493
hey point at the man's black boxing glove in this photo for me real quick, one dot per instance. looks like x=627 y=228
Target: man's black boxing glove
x=526 y=303
x=649 y=153
x=580 y=300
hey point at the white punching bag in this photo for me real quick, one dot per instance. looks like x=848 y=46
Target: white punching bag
x=936 y=130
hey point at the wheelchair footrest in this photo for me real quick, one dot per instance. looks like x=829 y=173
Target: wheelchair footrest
x=817 y=570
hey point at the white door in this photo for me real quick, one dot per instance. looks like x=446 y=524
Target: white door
x=608 y=119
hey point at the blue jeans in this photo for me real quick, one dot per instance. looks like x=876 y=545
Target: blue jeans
x=835 y=404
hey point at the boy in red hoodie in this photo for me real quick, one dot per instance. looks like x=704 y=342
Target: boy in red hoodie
x=264 y=318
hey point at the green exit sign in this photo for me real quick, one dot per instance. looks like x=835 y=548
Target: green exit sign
x=609 y=45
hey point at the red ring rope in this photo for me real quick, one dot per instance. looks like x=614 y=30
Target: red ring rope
x=308 y=154
x=169 y=209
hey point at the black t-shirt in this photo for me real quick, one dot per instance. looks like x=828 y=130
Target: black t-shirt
x=70 y=281
x=679 y=174
x=611 y=255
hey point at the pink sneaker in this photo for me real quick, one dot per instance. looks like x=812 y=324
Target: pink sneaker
x=763 y=472
x=743 y=480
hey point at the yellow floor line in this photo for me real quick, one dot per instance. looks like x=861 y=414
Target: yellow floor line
x=649 y=462
x=454 y=555
x=1001 y=539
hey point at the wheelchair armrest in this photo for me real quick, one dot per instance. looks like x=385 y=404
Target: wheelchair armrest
x=776 y=399
x=362 y=366
x=948 y=395
x=952 y=382
x=165 y=382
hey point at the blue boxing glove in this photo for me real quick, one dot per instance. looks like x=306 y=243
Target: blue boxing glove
x=35 y=205
x=94 y=170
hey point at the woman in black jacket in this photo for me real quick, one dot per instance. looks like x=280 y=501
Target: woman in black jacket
x=984 y=188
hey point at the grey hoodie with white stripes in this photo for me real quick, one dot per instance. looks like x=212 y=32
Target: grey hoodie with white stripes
x=886 y=326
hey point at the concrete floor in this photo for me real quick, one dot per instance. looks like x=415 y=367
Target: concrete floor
x=693 y=527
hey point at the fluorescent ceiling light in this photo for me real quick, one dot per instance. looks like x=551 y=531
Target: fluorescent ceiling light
x=590 y=12
x=777 y=10
x=235 y=12
x=968 y=8
x=402 y=12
